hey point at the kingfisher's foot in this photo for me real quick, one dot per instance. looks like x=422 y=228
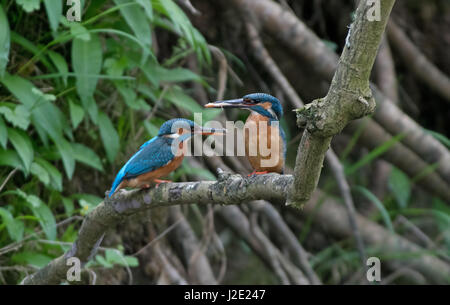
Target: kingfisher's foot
x=159 y=181
x=257 y=173
x=145 y=186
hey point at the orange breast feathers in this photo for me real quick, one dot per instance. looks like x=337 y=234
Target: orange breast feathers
x=148 y=178
x=263 y=144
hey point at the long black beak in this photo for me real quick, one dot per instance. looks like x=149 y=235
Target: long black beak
x=236 y=103
x=210 y=131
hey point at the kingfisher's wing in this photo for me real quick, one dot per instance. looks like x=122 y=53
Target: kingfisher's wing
x=152 y=155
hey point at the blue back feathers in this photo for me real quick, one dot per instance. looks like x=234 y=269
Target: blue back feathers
x=154 y=153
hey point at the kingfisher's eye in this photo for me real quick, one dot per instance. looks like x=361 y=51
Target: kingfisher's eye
x=249 y=101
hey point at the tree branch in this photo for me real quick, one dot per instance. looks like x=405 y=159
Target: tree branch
x=228 y=190
x=414 y=60
x=301 y=41
x=348 y=98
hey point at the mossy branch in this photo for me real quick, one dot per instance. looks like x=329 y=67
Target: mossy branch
x=349 y=98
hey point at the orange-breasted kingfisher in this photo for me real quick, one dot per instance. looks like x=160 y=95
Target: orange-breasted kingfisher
x=160 y=155
x=266 y=111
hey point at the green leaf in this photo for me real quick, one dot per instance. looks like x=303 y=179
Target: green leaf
x=68 y=206
x=20 y=117
x=91 y=200
x=54 y=12
x=10 y=158
x=29 y=5
x=103 y=262
x=21 y=89
x=42 y=213
x=116 y=257
x=5 y=41
x=128 y=95
x=138 y=22
x=86 y=206
x=156 y=73
x=384 y=213
x=87 y=64
x=90 y=105
x=176 y=96
x=40 y=172
x=60 y=64
x=76 y=114
x=45 y=116
x=400 y=186
x=54 y=173
x=79 y=32
x=87 y=156
x=151 y=129
x=15 y=227
x=109 y=136
x=3 y=133
x=131 y=261
x=147 y=5
x=66 y=152
x=38 y=53
x=184 y=27
x=115 y=67
x=374 y=154
x=34 y=259
x=23 y=146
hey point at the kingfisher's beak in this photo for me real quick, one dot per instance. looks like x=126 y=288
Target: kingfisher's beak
x=236 y=103
x=210 y=131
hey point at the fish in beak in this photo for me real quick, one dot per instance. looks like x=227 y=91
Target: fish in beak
x=236 y=103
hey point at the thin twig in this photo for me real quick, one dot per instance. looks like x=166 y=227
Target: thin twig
x=10 y=175
x=344 y=188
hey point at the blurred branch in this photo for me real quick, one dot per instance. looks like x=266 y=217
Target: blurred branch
x=386 y=79
x=414 y=60
x=339 y=175
x=197 y=264
x=261 y=53
x=287 y=237
x=229 y=189
x=222 y=75
x=188 y=5
x=384 y=69
x=348 y=98
x=258 y=242
x=10 y=175
x=301 y=41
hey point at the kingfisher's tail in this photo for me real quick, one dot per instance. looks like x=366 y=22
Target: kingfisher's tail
x=117 y=181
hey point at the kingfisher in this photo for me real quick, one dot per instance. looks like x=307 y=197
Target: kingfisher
x=264 y=120
x=160 y=155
